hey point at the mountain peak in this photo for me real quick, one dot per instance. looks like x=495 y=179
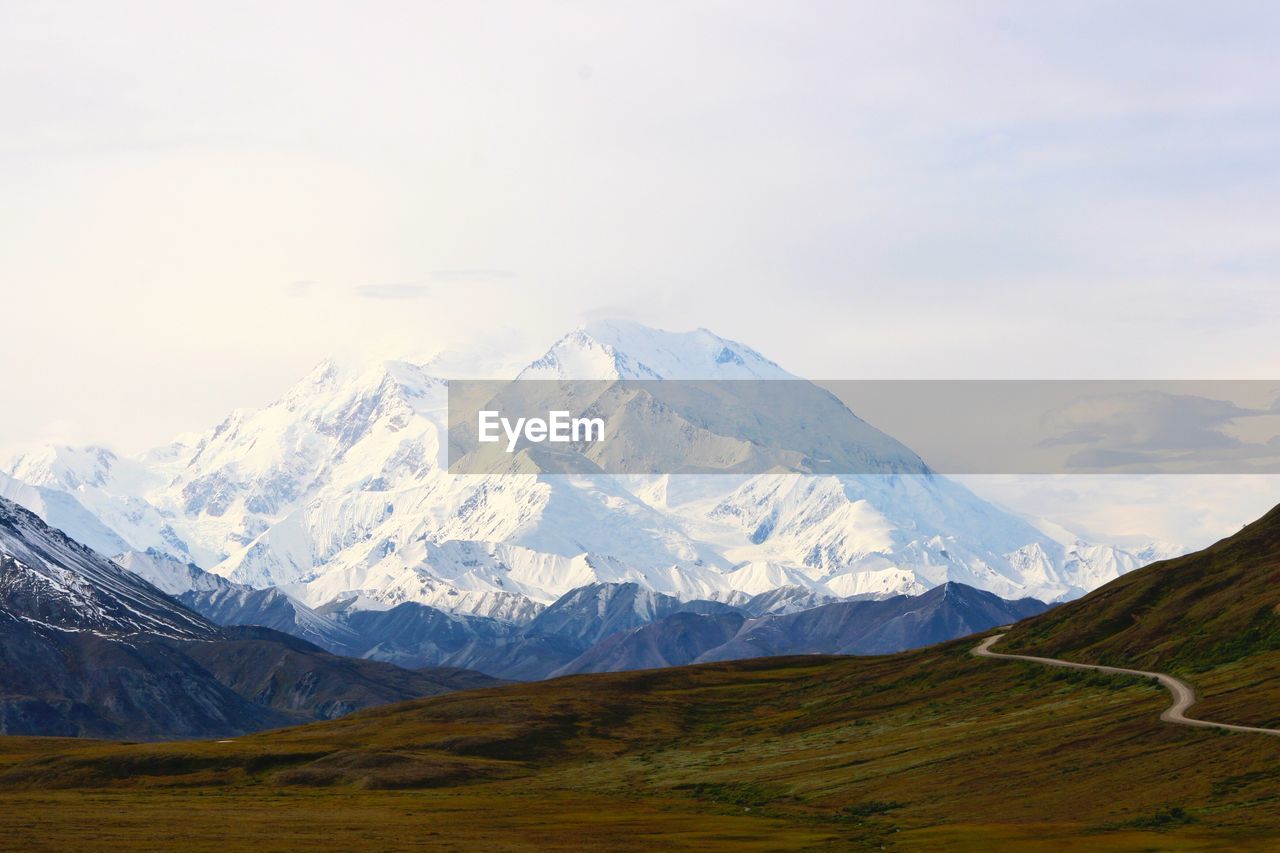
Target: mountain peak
x=623 y=349
x=339 y=488
x=64 y=467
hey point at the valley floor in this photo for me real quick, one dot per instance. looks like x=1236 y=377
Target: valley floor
x=492 y=819
x=932 y=749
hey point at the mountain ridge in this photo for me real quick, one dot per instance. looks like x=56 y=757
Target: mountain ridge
x=88 y=648
x=1204 y=609
x=336 y=491
x=868 y=627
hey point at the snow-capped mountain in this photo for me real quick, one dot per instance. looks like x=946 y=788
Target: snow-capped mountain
x=623 y=350
x=55 y=582
x=224 y=602
x=881 y=626
x=90 y=648
x=338 y=491
x=591 y=613
x=62 y=510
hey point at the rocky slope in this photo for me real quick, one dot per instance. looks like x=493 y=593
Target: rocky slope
x=90 y=649
x=851 y=627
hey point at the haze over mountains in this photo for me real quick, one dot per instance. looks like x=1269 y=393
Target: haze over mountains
x=336 y=494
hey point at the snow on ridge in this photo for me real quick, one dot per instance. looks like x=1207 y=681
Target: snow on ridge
x=615 y=349
x=336 y=490
x=67 y=585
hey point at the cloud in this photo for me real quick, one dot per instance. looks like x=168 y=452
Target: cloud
x=299 y=289
x=880 y=190
x=391 y=291
x=411 y=290
x=1133 y=510
x=471 y=275
x=1149 y=430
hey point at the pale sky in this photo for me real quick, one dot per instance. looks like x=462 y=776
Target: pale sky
x=200 y=201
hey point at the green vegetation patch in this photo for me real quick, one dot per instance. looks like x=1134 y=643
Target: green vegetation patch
x=871 y=808
x=733 y=793
x=1167 y=818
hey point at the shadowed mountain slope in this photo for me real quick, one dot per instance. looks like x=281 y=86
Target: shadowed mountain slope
x=847 y=627
x=90 y=649
x=932 y=749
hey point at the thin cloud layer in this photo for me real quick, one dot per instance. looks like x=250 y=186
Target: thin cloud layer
x=392 y=291
x=1150 y=431
x=906 y=190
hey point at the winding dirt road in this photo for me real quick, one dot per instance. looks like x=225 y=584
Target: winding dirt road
x=1184 y=695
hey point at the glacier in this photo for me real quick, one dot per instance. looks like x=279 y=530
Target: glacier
x=338 y=492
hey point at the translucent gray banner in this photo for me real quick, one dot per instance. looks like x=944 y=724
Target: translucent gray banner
x=864 y=427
